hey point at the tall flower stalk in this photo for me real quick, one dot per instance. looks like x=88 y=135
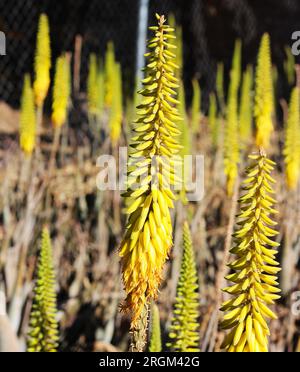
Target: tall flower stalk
x=148 y=236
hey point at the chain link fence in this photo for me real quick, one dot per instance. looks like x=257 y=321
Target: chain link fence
x=209 y=30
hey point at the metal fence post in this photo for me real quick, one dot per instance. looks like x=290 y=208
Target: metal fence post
x=141 y=38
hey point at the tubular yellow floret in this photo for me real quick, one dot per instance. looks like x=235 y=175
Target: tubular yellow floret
x=292 y=141
x=254 y=270
x=264 y=95
x=148 y=237
x=42 y=62
x=27 y=118
x=61 y=91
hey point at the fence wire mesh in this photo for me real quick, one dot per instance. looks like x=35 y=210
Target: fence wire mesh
x=209 y=30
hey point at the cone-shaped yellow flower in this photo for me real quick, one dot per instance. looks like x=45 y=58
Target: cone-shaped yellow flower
x=292 y=141
x=184 y=330
x=255 y=267
x=61 y=91
x=148 y=238
x=27 y=118
x=264 y=95
x=43 y=333
x=42 y=62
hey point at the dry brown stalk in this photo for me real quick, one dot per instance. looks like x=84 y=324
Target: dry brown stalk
x=139 y=334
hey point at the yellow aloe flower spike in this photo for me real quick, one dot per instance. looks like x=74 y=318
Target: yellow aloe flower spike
x=61 y=91
x=92 y=86
x=109 y=74
x=184 y=330
x=43 y=332
x=42 y=62
x=148 y=237
x=231 y=144
x=27 y=118
x=264 y=95
x=255 y=268
x=116 y=111
x=231 y=136
x=245 y=114
x=155 y=339
x=292 y=141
